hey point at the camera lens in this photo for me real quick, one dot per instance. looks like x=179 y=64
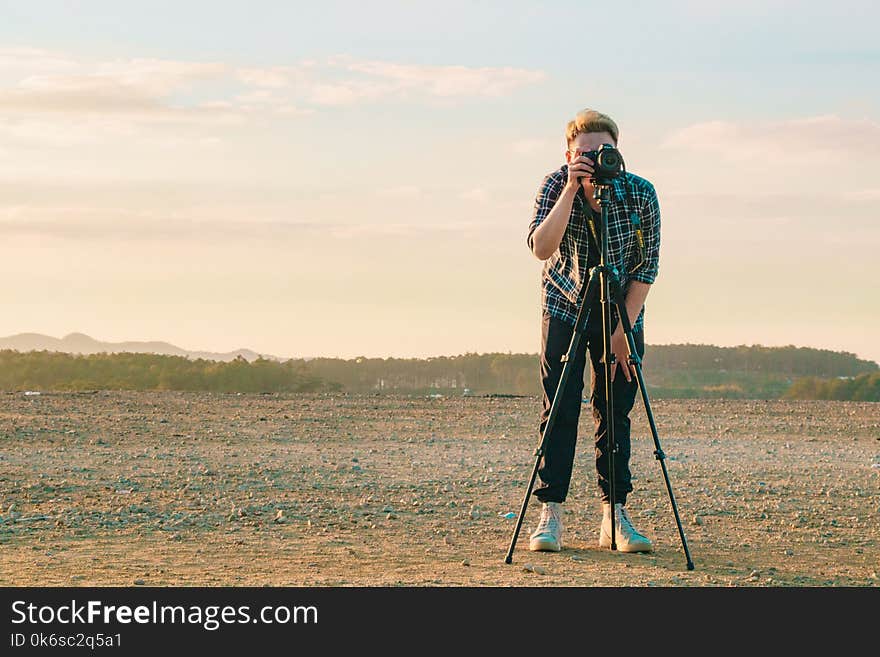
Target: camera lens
x=610 y=159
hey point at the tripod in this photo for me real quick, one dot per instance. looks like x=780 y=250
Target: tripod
x=604 y=281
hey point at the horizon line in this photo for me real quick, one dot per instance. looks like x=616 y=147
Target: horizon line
x=268 y=354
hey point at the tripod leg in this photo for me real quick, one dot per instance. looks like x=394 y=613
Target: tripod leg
x=588 y=294
x=658 y=452
x=611 y=444
x=525 y=503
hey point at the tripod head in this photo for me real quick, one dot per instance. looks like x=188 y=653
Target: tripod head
x=602 y=192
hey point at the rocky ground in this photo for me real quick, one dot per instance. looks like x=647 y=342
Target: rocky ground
x=173 y=489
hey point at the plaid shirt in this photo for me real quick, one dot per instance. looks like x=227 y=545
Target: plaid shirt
x=567 y=270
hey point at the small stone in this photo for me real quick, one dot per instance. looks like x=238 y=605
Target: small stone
x=279 y=516
x=698 y=520
x=532 y=568
x=465 y=562
x=139 y=582
x=391 y=516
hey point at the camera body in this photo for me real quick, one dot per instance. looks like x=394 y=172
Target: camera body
x=607 y=163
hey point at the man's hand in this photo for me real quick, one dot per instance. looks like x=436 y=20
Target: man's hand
x=620 y=355
x=636 y=294
x=581 y=167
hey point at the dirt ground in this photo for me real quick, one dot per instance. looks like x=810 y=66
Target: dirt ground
x=115 y=488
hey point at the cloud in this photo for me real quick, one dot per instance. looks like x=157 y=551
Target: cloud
x=85 y=223
x=343 y=80
x=96 y=96
x=57 y=100
x=344 y=93
x=34 y=59
x=532 y=146
x=400 y=192
x=797 y=140
x=75 y=94
x=409 y=230
x=477 y=194
x=134 y=90
x=43 y=132
x=440 y=81
x=160 y=77
x=97 y=224
x=144 y=90
x=863 y=195
x=275 y=77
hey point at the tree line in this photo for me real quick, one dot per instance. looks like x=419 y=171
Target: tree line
x=865 y=387
x=681 y=370
x=51 y=370
x=670 y=371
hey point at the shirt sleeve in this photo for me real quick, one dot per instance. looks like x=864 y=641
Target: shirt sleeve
x=548 y=193
x=650 y=216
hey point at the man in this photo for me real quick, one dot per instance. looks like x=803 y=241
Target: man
x=564 y=232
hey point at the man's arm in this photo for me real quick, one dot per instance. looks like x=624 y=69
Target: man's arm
x=636 y=294
x=640 y=282
x=553 y=207
x=650 y=216
x=547 y=237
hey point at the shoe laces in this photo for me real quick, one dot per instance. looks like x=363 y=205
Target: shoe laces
x=550 y=519
x=626 y=526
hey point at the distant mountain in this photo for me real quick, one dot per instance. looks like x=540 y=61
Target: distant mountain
x=79 y=343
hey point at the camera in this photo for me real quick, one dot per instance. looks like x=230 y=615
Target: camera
x=607 y=163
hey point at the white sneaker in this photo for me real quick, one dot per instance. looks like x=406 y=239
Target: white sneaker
x=548 y=535
x=626 y=536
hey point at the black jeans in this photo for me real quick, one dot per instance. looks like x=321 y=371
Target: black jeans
x=556 y=464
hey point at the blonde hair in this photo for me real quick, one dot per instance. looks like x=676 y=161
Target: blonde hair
x=589 y=120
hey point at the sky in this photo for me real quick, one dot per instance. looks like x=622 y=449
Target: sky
x=356 y=179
